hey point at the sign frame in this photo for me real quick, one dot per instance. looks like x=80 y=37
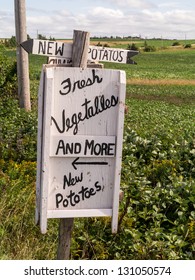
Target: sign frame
x=43 y=152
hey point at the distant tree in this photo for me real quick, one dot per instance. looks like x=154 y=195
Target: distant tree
x=41 y=37
x=10 y=43
x=52 y=38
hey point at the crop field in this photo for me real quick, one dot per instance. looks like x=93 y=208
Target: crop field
x=157 y=213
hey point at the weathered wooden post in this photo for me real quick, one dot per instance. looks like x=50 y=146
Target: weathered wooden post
x=79 y=59
x=22 y=56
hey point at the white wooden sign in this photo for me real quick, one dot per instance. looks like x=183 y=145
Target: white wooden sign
x=59 y=49
x=48 y=48
x=80 y=133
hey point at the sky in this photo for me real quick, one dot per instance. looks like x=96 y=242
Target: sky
x=168 y=19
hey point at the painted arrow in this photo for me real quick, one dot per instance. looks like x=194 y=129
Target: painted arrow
x=64 y=50
x=76 y=162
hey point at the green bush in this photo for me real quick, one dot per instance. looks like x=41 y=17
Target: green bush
x=17 y=133
x=18 y=128
x=133 y=47
x=8 y=77
x=148 y=48
x=187 y=46
x=175 y=44
x=10 y=43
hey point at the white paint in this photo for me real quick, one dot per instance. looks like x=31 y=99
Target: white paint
x=52 y=48
x=119 y=133
x=39 y=146
x=84 y=108
x=59 y=60
x=107 y=54
x=82 y=146
x=79 y=213
x=61 y=52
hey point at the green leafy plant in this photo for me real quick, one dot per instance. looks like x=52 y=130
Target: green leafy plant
x=133 y=47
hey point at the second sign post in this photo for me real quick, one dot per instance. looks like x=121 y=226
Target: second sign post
x=81 y=117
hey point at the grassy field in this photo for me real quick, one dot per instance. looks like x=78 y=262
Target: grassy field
x=157 y=214
x=123 y=43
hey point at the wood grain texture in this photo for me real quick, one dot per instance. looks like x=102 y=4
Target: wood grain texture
x=80 y=48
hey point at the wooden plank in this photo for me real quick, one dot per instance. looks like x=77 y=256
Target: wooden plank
x=64 y=237
x=39 y=145
x=80 y=49
x=119 y=147
x=45 y=167
x=48 y=48
x=66 y=50
x=111 y=55
x=80 y=213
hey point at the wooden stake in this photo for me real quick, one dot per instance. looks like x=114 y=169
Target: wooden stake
x=79 y=59
x=64 y=238
x=80 y=49
x=22 y=56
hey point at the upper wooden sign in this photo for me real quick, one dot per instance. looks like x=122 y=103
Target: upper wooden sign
x=64 y=50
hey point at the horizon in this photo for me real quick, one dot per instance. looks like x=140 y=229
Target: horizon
x=104 y=37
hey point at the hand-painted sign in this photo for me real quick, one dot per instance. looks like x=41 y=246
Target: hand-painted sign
x=48 y=48
x=111 y=55
x=59 y=49
x=80 y=136
x=59 y=60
